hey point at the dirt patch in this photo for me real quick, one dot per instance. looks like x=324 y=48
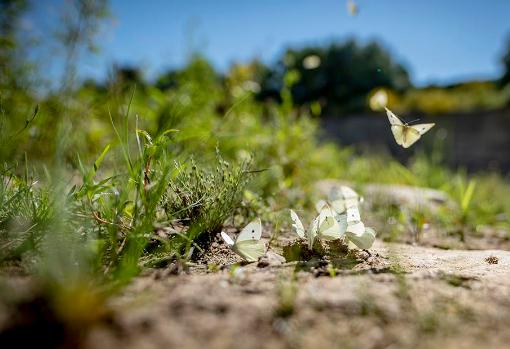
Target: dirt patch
x=393 y=296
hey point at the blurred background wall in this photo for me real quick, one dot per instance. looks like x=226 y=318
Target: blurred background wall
x=477 y=140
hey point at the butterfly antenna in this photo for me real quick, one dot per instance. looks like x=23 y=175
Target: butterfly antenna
x=407 y=123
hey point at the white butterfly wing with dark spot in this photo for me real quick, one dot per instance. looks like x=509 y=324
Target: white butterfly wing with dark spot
x=252 y=232
x=422 y=128
x=394 y=120
x=328 y=226
x=353 y=215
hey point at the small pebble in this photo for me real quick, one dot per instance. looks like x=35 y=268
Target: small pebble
x=270 y=259
x=492 y=260
x=364 y=255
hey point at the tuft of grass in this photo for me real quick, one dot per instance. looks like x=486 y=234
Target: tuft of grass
x=25 y=212
x=203 y=199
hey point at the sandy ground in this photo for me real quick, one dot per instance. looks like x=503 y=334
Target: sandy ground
x=394 y=296
x=398 y=296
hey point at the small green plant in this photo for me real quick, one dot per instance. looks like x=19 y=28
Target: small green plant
x=287 y=292
x=331 y=270
x=25 y=212
x=203 y=199
x=465 y=194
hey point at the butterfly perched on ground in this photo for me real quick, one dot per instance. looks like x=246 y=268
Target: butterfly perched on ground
x=340 y=199
x=344 y=202
x=356 y=231
x=248 y=244
x=323 y=226
x=406 y=135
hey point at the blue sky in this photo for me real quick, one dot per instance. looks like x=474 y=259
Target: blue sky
x=439 y=41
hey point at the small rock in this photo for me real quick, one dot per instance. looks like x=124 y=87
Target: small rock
x=364 y=255
x=270 y=259
x=492 y=260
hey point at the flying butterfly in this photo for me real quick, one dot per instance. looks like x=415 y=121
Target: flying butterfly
x=248 y=244
x=406 y=135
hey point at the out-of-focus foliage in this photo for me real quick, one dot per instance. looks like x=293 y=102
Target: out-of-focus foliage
x=465 y=97
x=505 y=79
x=12 y=72
x=340 y=76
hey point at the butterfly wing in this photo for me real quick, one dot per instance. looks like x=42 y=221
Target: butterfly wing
x=252 y=232
x=250 y=250
x=422 y=128
x=343 y=199
x=341 y=220
x=398 y=133
x=394 y=120
x=411 y=136
x=365 y=240
x=297 y=225
x=348 y=193
x=413 y=133
x=356 y=229
x=354 y=224
x=228 y=240
x=353 y=215
x=328 y=227
x=248 y=244
x=398 y=128
x=351 y=198
x=313 y=231
x=320 y=205
x=338 y=206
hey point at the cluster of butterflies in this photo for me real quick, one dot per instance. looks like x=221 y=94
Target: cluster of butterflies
x=338 y=219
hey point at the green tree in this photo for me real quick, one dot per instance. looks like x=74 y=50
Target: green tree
x=506 y=66
x=12 y=69
x=339 y=75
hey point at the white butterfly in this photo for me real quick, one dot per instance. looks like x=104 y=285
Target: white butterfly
x=323 y=226
x=344 y=198
x=248 y=244
x=406 y=135
x=356 y=232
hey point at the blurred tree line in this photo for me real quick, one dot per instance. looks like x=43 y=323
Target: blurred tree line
x=334 y=79
x=338 y=79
